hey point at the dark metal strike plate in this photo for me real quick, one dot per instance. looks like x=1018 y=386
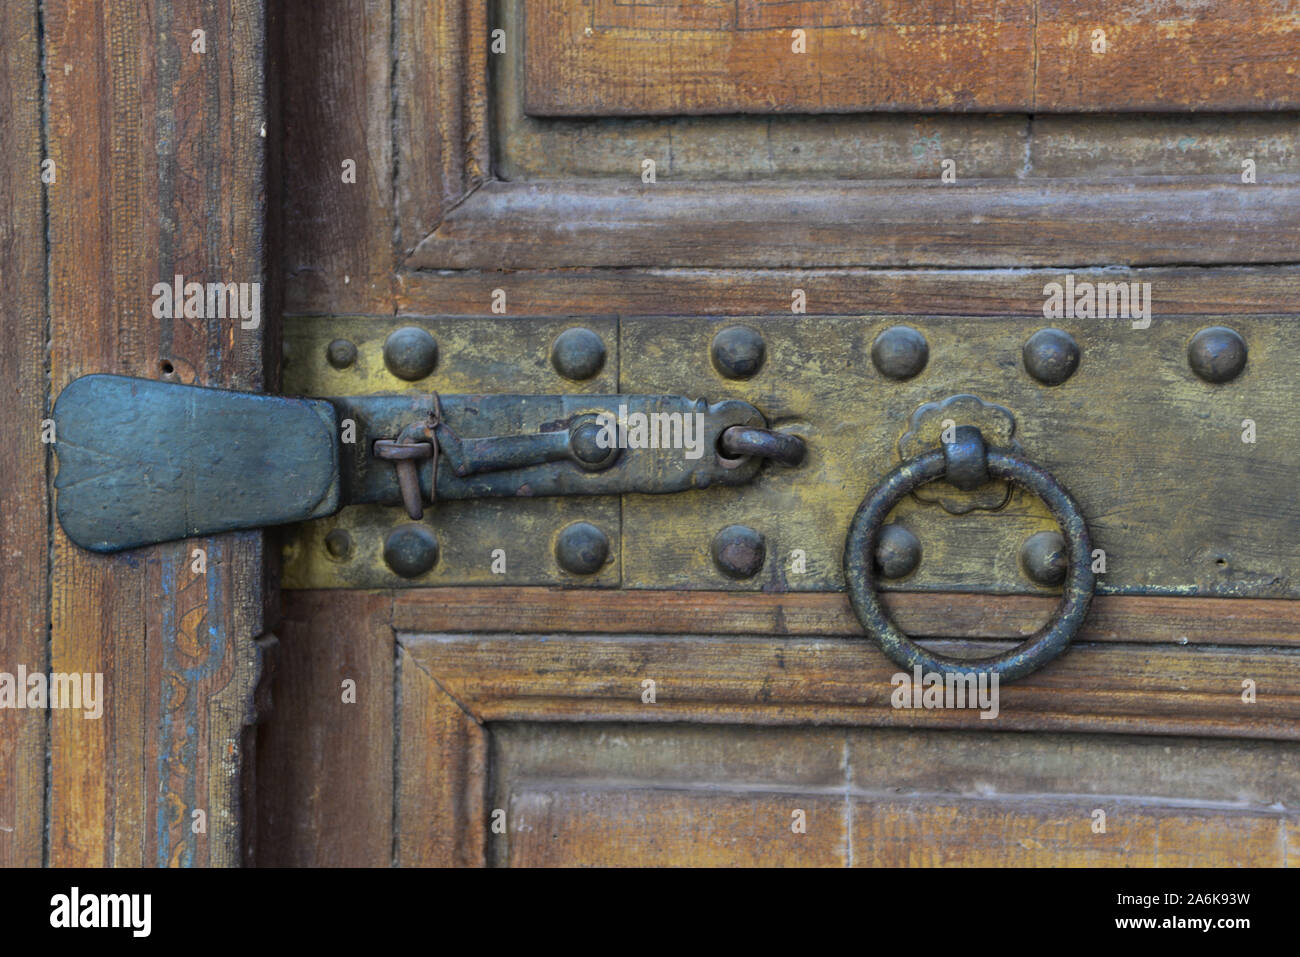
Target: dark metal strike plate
x=142 y=462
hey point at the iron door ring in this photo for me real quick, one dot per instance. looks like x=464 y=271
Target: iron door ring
x=961 y=460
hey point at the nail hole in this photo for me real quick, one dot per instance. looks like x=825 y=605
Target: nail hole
x=1221 y=562
x=166 y=367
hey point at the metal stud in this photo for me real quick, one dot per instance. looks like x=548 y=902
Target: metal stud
x=341 y=353
x=739 y=551
x=898 y=552
x=591 y=446
x=1043 y=558
x=578 y=354
x=900 y=352
x=338 y=543
x=581 y=549
x=1217 y=354
x=411 y=550
x=738 y=352
x=1051 y=356
x=410 y=353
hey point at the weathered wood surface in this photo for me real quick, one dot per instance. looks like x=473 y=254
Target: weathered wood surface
x=24 y=560
x=1127 y=619
x=1027 y=56
x=659 y=795
x=325 y=752
x=335 y=101
x=665 y=827
x=160 y=171
x=441 y=125
x=1111 y=687
x=765 y=225
x=866 y=146
x=441 y=812
x=747 y=292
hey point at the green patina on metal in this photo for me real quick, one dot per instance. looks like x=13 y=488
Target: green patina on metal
x=142 y=461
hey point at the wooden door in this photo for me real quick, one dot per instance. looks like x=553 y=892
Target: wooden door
x=798 y=150
x=133 y=151
x=497 y=170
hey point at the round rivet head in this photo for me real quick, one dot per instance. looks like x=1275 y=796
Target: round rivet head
x=1051 y=356
x=410 y=353
x=739 y=551
x=341 y=353
x=581 y=548
x=411 y=550
x=898 y=551
x=900 y=352
x=591 y=446
x=1043 y=558
x=738 y=352
x=1217 y=354
x=578 y=354
x=338 y=543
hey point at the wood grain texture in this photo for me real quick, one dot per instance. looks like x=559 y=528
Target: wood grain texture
x=765 y=225
x=1130 y=689
x=610 y=59
x=1053 y=833
x=160 y=165
x=659 y=827
x=335 y=71
x=24 y=561
x=629 y=794
x=1166 y=55
x=441 y=813
x=325 y=763
x=741 y=292
x=1111 y=618
x=440 y=123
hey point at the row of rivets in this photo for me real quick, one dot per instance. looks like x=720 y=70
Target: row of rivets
x=411 y=353
x=1042 y=556
x=1216 y=354
x=411 y=550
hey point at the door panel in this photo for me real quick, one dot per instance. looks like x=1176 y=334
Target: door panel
x=505 y=184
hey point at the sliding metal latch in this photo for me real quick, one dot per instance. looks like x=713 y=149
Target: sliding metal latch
x=142 y=461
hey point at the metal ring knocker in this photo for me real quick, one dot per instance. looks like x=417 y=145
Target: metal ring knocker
x=967 y=463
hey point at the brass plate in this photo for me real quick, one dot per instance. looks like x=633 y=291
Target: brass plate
x=1154 y=455
x=496 y=354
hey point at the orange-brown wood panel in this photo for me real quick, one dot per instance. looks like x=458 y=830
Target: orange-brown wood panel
x=24 y=560
x=632 y=827
x=606 y=58
x=1166 y=55
x=158 y=149
x=610 y=59
x=325 y=749
x=940 y=832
